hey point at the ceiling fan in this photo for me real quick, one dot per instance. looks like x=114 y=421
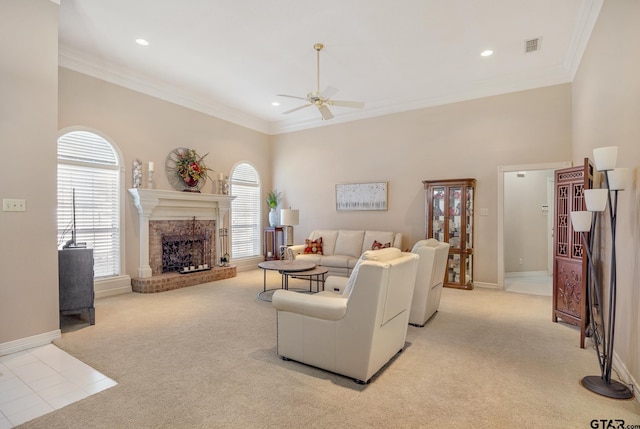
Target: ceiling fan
x=322 y=99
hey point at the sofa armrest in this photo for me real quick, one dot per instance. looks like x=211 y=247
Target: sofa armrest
x=320 y=307
x=335 y=284
x=297 y=249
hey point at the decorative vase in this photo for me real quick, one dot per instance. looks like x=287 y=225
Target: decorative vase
x=193 y=185
x=273 y=217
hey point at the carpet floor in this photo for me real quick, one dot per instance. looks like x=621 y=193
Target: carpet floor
x=205 y=357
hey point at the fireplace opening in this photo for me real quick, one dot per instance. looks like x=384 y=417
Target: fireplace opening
x=184 y=251
x=178 y=244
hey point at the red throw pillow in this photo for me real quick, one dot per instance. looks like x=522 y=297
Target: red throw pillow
x=313 y=247
x=378 y=246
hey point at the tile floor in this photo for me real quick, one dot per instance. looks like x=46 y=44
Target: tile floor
x=43 y=379
x=541 y=284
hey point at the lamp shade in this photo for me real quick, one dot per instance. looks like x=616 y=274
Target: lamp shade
x=596 y=199
x=618 y=179
x=605 y=157
x=289 y=217
x=581 y=221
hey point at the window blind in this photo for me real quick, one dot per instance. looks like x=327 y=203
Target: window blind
x=245 y=212
x=88 y=166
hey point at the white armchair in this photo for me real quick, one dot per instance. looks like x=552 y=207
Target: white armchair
x=357 y=332
x=429 y=279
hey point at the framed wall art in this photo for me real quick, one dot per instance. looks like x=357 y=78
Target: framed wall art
x=361 y=196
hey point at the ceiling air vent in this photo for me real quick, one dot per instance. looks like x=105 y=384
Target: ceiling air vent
x=532 y=45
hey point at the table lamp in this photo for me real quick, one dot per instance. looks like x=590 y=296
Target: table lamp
x=289 y=218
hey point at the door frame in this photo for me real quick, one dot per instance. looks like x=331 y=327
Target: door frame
x=500 y=210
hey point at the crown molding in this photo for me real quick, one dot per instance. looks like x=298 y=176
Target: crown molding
x=117 y=75
x=479 y=89
x=583 y=29
x=559 y=74
x=475 y=90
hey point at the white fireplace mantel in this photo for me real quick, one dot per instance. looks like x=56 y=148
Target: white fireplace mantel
x=156 y=204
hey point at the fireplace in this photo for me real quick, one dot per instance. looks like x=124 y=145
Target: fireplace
x=178 y=230
x=176 y=244
x=185 y=253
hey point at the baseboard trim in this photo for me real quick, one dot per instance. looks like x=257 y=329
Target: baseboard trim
x=112 y=286
x=625 y=376
x=525 y=274
x=22 y=344
x=486 y=285
x=247 y=264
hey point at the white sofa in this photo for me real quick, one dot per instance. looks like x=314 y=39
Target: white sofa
x=341 y=248
x=356 y=333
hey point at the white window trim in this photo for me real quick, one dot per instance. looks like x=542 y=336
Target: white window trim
x=258 y=256
x=121 y=192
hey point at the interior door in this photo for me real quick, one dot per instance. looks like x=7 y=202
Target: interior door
x=569 y=258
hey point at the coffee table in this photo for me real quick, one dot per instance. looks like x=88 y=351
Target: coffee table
x=281 y=266
x=317 y=272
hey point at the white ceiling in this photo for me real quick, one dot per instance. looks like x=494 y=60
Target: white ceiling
x=229 y=58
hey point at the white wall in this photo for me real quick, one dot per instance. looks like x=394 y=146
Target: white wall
x=148 y=128
x=606 y=106
x=28 y=130
x=467 y=139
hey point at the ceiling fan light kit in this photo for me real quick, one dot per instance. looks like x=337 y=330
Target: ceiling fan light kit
x=322 y=99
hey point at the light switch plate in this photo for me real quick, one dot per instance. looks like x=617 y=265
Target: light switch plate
x=13 y=205
x=484 y=212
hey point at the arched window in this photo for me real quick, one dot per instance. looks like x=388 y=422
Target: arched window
x=89 y=173
x=245 y=212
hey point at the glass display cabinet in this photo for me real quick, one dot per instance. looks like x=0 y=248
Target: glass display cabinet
x=449 y=213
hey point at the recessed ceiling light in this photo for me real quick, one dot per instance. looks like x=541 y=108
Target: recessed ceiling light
x=142 y=42
x=275 y=103
x=487 y=53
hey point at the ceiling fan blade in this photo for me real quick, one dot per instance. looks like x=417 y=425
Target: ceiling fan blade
x=291 y=96
x=326 y=113
x=297 y=108
x=329 y=92
x=344 y=103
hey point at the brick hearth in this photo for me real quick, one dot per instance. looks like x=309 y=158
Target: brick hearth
x=170 y=281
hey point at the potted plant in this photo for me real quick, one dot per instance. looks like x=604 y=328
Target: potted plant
x=273 y=199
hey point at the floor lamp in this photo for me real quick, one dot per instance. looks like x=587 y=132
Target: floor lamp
x=603 y=330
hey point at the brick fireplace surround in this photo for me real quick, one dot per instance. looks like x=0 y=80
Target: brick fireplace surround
x=159 y=205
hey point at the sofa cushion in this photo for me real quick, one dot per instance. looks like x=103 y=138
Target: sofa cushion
x=329 y=237
x=378 y=246
x=336 y=261
x=313 y=247
x=379 y=236
x=310 y=257
x=349 y=243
